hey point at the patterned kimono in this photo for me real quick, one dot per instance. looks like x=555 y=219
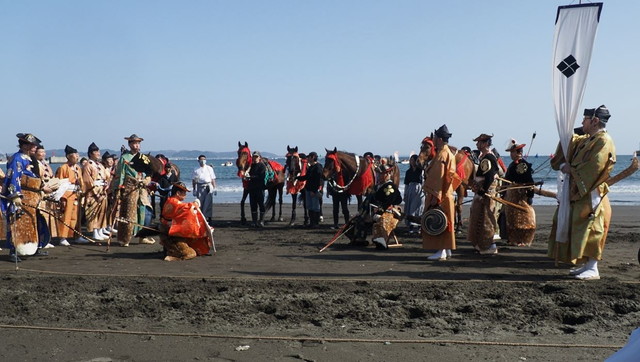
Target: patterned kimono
x=51 y=207
x=22 y=233
x=482 y=220
x=94 y=178
x=186 y=230
x=439 y=185
x=111 y=201
x=591 y=159
x=70 y=201
x=520 y=225
x=133 y=198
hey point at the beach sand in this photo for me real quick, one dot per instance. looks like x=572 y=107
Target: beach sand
x=271 y=290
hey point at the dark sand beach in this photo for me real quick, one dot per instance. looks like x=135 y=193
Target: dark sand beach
x=271 y=290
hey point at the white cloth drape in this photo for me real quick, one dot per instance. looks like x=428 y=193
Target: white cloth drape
x=575 y=33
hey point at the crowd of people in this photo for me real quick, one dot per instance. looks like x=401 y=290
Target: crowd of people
x=501 y=206
x=110 y=196
x=42 y=209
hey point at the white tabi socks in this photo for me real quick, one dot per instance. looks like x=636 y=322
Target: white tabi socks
x=590 y=271
x=97 y=235
x=577 y=269
x=439 y=255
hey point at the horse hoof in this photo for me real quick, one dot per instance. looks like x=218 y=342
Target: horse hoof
x=280 y=219
x=272 y=219
x=292 y=223
x=243 y=221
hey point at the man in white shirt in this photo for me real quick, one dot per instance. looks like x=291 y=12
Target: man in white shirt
x=204 y=186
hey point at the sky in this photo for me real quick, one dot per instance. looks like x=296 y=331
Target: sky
x=359 y=75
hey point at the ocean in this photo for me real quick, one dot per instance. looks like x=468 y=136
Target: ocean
x=625 y=192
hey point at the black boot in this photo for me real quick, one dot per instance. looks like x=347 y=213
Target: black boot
x=293 y=218
x=314 y=218
x=254 y=219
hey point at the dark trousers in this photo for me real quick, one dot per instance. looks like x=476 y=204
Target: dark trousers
x=340 y=200
x=256 y=200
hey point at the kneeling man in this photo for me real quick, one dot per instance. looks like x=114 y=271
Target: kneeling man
x=186 y=232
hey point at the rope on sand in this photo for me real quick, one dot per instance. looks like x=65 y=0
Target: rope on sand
x=314 y=339
x=307 y=279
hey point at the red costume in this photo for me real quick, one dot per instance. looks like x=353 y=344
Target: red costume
x=185 y=225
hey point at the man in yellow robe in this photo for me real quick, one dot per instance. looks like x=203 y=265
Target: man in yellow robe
x=589 y=162
x=438 y=186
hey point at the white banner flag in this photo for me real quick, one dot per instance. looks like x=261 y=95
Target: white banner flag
x=575 y=33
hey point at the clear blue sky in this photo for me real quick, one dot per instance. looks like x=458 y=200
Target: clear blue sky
x=360 y=75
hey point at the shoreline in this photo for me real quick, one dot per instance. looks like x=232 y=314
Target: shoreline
x=272 y=290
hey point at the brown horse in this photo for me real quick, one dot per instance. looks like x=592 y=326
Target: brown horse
x=296 y=166
x=465 y=168
x=274 y=185
x=174 y=168
x=349 y=172
x=144 y=162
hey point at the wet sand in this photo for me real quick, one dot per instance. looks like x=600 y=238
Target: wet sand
x=271 y=290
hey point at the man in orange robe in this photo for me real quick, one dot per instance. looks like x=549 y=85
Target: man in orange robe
x=439 y=183
x=70 y=200
x=187 y=230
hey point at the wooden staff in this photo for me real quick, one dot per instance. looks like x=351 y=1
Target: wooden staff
x=530 y=144
x=508 y=203
x=343 y=230
x=57 y=217
x=633 y=167
x=209 y=230
x=112 y=214
x=121 y=219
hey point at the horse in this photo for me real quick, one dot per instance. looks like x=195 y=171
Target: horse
x=174 y=168
x=349 y=173
x=274 y=186
x=296 y=166
x=144 y=162
x=465 y=168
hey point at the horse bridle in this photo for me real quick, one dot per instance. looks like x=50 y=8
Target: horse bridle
x=295 y=177
x=247 y=151
x=332 y=181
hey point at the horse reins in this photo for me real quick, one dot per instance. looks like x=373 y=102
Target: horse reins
x=336 y=160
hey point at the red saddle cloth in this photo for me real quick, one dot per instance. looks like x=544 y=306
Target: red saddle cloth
x=362 y=182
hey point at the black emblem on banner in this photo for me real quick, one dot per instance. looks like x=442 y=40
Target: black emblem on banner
x=568 y=66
